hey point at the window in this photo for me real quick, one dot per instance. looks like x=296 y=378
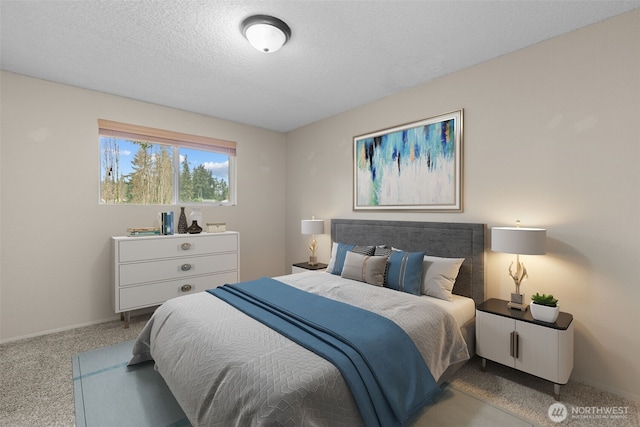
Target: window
x=147 y=166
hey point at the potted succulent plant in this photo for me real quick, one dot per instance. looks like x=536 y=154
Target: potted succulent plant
x=544 y=307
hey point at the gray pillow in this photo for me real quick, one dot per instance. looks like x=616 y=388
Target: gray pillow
x=382 y=250
x=365 y=268
x=364 y=250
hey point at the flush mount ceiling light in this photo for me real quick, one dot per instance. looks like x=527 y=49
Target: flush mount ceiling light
x=266 y=33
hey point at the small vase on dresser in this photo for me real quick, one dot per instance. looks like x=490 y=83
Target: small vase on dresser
x=182 y=222
x=194 y=228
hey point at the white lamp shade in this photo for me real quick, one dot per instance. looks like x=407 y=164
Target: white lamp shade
x=520 y=241
x=312 y=226
x=265 y=37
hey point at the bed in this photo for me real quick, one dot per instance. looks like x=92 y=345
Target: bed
x=226 y=367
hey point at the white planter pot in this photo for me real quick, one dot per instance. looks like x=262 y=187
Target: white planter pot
x=544 y=313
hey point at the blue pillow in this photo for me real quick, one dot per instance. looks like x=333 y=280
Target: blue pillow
x=337 y=261
x=404 y=271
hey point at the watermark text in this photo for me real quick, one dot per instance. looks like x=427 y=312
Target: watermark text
x=558 y=412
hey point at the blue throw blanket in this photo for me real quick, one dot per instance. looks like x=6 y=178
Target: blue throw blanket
x=389 y=380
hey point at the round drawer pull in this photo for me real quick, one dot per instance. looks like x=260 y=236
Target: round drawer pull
x=186 y=288
x=185 y=267
x=185 y=246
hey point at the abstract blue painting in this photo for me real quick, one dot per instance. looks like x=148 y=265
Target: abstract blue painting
x=415 y=166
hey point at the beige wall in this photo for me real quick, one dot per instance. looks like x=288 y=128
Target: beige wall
x=55 y=236
x=551 y=137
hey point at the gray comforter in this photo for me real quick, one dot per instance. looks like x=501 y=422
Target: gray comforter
x=225 y=368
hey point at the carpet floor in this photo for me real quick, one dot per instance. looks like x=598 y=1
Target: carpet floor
x=37 y=389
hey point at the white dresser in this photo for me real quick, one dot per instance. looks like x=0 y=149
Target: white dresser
x=148 y=270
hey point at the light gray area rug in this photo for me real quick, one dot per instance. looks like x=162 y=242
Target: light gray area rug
x=108 y=393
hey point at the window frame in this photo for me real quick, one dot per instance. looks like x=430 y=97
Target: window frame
x=176 y=140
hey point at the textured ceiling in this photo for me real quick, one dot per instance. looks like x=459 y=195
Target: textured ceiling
x=342 y=54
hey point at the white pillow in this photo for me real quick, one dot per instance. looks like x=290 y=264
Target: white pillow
x=332 y=261
x=439 y=276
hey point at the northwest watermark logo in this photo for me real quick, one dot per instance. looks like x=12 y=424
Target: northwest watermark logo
x=557 y=412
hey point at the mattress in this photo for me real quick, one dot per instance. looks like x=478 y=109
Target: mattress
x=462 y=309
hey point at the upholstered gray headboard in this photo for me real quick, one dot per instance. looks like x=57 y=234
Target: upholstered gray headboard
x=443 y=239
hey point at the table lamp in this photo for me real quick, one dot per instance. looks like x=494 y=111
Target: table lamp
x=312 y=226
x=519 y=241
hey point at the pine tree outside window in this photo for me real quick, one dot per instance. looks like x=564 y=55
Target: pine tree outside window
x=147 y=166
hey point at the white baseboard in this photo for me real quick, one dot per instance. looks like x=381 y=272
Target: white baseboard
x=53 y=331
x=80 y=325
x=625 y=394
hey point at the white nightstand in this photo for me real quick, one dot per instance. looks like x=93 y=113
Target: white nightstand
x=301 y=267
x=513 y=338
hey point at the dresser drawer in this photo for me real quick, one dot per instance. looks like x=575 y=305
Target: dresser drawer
x=141 y=249
x=153 y=271
x=151 y=294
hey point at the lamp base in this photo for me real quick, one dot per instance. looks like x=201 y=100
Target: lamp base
x=313 y=260
x=516 y=302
